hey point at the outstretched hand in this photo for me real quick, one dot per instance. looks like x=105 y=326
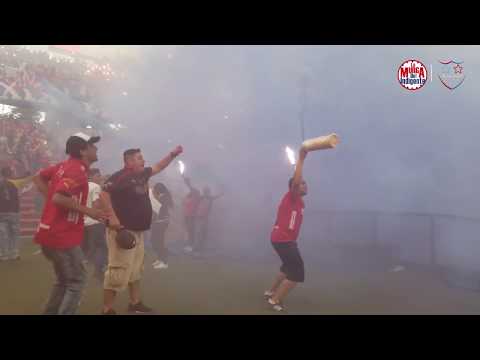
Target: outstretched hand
x=98 y=214
x=303 y=153
x=114 y=224
x=177 y=151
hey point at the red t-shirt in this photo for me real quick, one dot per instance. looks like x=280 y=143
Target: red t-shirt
x=62 y=228
x=190 y=204
x=204 y=206
x=289 y=219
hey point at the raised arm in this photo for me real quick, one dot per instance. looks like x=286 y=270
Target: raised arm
x=187 y=182
x=42 y=178
x=162 y=164
x=298 y=176
x=41 y=184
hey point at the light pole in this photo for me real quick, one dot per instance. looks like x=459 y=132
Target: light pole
x=303 y=84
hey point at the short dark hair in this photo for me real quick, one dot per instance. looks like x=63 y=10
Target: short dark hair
x=130 y=152
x=93 y=171
x=74 y=145
x=6 y=172
x=290 y=183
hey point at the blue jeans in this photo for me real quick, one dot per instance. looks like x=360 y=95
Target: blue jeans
x=9 y=234
x=94 y=247
x=147 y=239
x=71 y=280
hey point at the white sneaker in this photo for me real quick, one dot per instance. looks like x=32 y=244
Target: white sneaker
x=267 y=294
x=156 y=262
x=275 y=306
x=160 y=265
x=188 y=249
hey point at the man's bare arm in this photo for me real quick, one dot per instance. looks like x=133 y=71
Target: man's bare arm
x=298 y=176
x=162 y=164
x=41 y=185
x=188 y=182
x=106 y=202
x=69 y=203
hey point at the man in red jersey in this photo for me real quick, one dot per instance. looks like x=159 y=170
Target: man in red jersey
x=60 y=232
x=284 y=238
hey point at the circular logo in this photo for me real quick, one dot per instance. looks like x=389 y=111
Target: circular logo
x=412 y=75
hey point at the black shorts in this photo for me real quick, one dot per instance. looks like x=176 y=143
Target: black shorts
x=292 y=262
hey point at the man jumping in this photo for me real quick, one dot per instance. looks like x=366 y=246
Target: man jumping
x=284 y=238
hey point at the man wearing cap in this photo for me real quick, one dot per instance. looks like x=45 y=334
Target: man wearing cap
x=126 y=197
x=60 y=232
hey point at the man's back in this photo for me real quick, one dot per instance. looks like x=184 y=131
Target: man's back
x=60 y=227
x=289 y=218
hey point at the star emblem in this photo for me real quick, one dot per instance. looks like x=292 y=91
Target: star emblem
x=458 y=69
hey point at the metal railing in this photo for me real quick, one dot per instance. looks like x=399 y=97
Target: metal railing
x=427 y=239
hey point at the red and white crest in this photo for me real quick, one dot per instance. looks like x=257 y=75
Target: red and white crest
x=452 y=74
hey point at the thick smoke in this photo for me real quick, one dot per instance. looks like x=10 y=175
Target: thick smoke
x=234 y=108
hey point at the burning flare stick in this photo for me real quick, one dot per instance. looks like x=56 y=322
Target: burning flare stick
x=290 y=155
x=181 y=166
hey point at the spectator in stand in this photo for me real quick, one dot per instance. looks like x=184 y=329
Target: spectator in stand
x=9 y=217
x=24 y=146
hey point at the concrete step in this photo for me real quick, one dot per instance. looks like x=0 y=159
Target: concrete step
x=28 y=221
x=27 y=207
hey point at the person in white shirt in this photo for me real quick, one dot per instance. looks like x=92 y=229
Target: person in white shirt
x=162 y=204
x=94 y=243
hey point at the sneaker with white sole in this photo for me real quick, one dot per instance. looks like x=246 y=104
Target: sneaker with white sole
x=109 y=312
x=139 y=308
x=160 y=265
x=275 y=306
x=267 y=294
x=156 y=262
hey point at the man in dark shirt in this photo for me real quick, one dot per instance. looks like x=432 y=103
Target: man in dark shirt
x=9 y=217
x=125 y=196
